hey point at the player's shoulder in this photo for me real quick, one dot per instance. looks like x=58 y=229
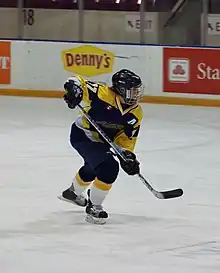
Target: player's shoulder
x=137 y=111
x=103 y=87
x=99 y=86
x=79 y=80
x=106 y=94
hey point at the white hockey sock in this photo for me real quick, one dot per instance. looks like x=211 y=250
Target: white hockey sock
x=99 y=191
x=79 y=185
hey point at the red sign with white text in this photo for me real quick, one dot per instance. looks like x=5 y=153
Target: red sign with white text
x=191 y=70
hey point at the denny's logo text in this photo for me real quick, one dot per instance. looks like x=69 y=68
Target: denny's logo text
x=88 y=61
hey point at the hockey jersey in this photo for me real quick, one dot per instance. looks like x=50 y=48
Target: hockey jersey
x=121 y=124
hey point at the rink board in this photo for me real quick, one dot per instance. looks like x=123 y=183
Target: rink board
x=172 y=75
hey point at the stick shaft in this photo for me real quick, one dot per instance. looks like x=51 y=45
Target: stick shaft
x=102 y=133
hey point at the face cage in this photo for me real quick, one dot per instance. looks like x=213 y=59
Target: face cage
x=133 y=95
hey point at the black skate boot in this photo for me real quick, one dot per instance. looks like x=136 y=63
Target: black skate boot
x=95 y=214
x=70 y=196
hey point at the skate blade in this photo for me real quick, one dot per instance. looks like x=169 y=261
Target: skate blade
x=97 y=221
x=70 y=201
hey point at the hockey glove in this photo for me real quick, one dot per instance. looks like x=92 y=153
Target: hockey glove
x=74 y=93
x=131 y=165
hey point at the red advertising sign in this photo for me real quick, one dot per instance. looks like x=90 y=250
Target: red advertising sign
x=191 y=70
x=5 y=62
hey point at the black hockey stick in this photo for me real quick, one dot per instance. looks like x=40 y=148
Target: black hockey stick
x=161 y=195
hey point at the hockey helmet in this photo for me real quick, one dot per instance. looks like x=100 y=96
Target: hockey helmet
x=128 y=85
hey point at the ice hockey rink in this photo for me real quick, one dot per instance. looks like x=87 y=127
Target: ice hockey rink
x=178 y=146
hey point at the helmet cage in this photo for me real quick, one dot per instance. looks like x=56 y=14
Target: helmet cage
x=131 y=95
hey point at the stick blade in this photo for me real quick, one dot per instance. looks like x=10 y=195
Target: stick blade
x=171 y=194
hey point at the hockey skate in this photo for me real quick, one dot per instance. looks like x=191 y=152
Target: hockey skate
x=95 y=214
x=70 y=196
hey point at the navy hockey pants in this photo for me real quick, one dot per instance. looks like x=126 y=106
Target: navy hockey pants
x=99 y=162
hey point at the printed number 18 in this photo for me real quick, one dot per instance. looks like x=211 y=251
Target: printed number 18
x=28 y=17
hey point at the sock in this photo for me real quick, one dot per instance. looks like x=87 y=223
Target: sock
x=99 y=191
x=79 y=185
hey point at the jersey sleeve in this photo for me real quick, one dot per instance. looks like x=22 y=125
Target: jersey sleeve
x=128 y=137
x=125 y=142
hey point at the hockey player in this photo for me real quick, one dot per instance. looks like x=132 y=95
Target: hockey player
x=116 y=110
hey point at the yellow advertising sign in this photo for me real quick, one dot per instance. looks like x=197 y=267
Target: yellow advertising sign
x=88 y=60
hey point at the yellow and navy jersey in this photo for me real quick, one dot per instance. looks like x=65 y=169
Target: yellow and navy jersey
x=104 y=106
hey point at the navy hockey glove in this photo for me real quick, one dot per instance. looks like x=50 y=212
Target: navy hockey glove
x=131 y=165
x=74 y=93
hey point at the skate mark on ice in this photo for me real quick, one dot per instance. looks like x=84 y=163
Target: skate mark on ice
x=64 y=222
x=179 y=147
x=205 y=205
x=73 y=221
x=190 y=251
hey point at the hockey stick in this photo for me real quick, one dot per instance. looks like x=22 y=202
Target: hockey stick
x=161 y=195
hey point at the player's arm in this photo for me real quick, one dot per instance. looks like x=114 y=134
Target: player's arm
x=128 y=142
x=128 y=137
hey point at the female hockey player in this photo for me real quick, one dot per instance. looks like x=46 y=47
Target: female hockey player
x=116 y=110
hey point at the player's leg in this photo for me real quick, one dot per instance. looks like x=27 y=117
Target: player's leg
x=105 y=168
x=80 y=182
x=85 y=175
x=83 y=179
x=106 y=174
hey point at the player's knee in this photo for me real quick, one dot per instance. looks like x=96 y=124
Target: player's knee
x=108 y=170
x=86 y=173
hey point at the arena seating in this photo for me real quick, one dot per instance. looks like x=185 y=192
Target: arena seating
x=127 y=5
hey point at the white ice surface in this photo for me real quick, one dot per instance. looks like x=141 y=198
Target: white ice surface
x=178 y=147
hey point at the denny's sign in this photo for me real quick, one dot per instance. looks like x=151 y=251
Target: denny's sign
x=88 y=60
